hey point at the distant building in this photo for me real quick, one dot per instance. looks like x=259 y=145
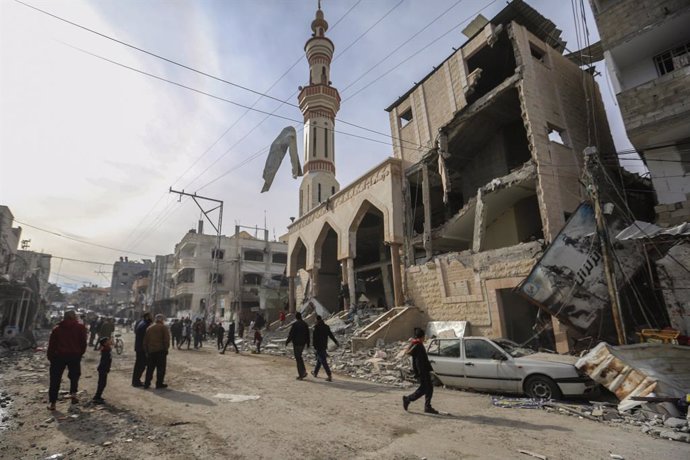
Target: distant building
x=9 y=240
x=161 y=289
x=647 y=50
x=91 y=297
x=239 y=267
x=28 y=263
x=140 y=288
x=124 y=274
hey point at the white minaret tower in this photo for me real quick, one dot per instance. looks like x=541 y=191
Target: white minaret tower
x=319 y=102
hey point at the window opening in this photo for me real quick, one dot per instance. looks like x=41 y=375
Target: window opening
x=673 y=59
x=255 y=256
x=217 y=254
x=480 y=349
x=405 y=117
x=325 y=142
x=318 y=193
x=313 y=144
x=215 y=277
x=279 y=258
x=557 y=135
x=537 y=53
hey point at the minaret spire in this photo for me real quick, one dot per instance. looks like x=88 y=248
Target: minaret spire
x=319 y=103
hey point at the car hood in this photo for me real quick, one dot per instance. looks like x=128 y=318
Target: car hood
x=538 y=358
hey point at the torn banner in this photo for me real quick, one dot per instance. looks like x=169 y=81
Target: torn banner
x=287 y=139
x=569 y=281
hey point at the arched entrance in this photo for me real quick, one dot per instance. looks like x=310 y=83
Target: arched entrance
x=327 y=270
x=298 y=261
x=372 y=261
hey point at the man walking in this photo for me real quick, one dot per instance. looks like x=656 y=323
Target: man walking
x=231 y=338
x=422 y=369
x=66 y=346
x=156 y=344
x=322 y=332
x=299 y=336
x=106 y=329
x=140 y=360
x=219 y=330
x=93 y=327
x=176 y=332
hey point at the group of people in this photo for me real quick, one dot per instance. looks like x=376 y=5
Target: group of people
x=68 y=342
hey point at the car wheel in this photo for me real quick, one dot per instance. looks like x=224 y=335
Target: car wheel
x=435 y=380
x=542 y=387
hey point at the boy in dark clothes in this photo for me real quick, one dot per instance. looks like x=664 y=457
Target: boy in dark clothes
x=422 y=369
x=220 y=332
x=258 y=338
x=103 y=368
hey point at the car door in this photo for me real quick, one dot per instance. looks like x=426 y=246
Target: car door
x=445 y=358
x=484 y=366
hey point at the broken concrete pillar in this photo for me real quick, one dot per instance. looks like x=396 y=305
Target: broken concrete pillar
x=291 y=294
x=397 y=278
x=351 y=279
x=426 y=200
x=479 y=223
x=385 y=276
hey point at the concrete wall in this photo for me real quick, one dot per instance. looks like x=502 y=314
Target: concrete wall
x=462 y=286
x=618 y=20
x=672 y=275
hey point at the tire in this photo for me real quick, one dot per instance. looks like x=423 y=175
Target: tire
x=119 y=347
x=542 y=387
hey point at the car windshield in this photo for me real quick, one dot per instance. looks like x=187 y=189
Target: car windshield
x=513 y=349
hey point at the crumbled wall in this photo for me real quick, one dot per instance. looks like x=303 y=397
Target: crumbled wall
x=675 y=281
x=461 y=286
x=669 y=215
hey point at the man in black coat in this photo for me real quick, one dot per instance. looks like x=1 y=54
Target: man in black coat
x=140 y=360
x=231 y=338
x=321 y=334
x=299 y=336
x=422 y=369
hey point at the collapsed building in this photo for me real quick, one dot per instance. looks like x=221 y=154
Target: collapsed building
x=488 y=158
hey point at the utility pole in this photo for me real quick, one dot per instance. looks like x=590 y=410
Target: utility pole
x=602 y=232
x=217 y=228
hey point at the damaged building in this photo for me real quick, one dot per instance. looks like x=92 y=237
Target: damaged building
x=505 y=122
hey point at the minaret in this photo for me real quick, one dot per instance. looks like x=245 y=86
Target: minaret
x=319 y=102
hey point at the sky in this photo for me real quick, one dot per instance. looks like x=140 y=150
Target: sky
x=89 y=147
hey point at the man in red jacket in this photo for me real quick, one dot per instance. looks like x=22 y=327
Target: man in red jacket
x=66 y=346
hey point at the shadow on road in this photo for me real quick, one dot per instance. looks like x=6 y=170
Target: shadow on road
x=183 y=397
x=350 y=385
x=493 y=421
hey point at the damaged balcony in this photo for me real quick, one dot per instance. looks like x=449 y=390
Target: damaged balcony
x=483 y=195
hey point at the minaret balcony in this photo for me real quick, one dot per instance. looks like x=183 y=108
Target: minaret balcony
x=313 y=97
x=319 y=165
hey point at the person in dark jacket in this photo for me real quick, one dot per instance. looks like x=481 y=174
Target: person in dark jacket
x=322 y=332
x=140 y=360
x=176 y=332
x=219 y=330
x=103 y=368
x=231 y=338
x=66 y=346
x=299 y=336
x=422 y=369
x=93 y=327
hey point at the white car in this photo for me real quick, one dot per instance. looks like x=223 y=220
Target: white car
x=502 y=366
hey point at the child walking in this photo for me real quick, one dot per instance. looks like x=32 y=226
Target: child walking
x=105 y=345
x=258 y=338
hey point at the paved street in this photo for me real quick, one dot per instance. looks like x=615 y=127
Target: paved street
x=211 y=410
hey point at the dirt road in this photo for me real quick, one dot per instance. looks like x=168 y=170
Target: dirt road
x=251 y=406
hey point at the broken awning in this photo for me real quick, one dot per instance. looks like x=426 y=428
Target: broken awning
x=640 y=229
x=639 y=370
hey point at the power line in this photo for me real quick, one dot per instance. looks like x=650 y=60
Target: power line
x=81 y=241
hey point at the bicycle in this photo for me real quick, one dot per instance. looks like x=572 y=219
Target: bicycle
x=119 y=344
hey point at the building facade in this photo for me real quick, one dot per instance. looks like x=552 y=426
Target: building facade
x=647 y=51
x=224 y=281
x=161 y=289
x=9 y=240
x=124 y=274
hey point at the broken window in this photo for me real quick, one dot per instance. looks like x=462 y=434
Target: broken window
x=480 y=349
x=672 y=59
x=279 y=258
x=216 y=278
x=252 y=279
x=255 y=256
x=405 y=117
x=186 y=276
x=217 y=254
x=496 y=62
x=557 y=135
x=537 y=53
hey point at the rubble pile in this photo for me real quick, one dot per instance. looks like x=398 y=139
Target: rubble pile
x=386 y=363
x=647 y=417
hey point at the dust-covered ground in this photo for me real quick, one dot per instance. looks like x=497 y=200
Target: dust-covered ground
x=251 y=406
